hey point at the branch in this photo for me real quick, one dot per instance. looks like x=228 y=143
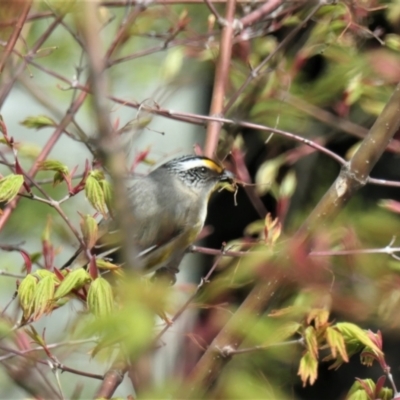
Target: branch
x=15 y=34
x=355 y=173
x=331 y=119
x=221 y=79
x=5 y=90
x=112 y=379
x=45 y=152
x=209 y=367
x=256 y=71
x=109 y=146
x=353 y=176
x=265 y=9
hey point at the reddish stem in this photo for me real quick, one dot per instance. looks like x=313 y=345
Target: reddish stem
x=221 y=79
x=15 y=34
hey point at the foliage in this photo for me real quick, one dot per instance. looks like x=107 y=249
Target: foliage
x=301 y=91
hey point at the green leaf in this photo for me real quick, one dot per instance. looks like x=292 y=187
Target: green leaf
x=43 y=273
x=106 y=265
x=267 y=173
x=58 y=178
x=44 y=296
x=34 y=335
x=288 y=185
x=10 y=186
x=353 y=334
x=100 y=298
x=108 y=195
x=173 y=63
x=73 y=281
x=363 y=385
x=385 y=394
x=310 y=337
x=392 y=41
x=308 y=368
x=97 y=174
x=38 y=122
x=89 y=230
x=95 y=195
x=53 y=165
x=336 y=343
x=26 y=294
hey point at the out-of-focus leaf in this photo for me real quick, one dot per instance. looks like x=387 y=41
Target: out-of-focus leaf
x=354 y=89
x=390 y=205
x=38 y=122
x=392 y=41
x=89 y=230
x=173 y=63
x=106 y=265
x=108 y=194
x=100 y=298
x=53 y=165
x=320 y=317
x=352 y=150
x=267 y=173
x=288 y=185
x=310 y=339
x=10 y=186
x=361 y=390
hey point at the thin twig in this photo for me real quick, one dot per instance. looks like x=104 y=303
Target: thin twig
x=267 y=8
x=5 y=89
x=61 y=367
x=45 y=151
x=203 y=281
x=48 y=346
x=256 y=71
x=15 y=34
x=228 y=351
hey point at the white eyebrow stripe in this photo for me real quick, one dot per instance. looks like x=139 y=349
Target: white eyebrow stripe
x=189 y=164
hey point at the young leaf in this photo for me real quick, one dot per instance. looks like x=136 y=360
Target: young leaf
x=44 y=296
x=320 y=316
x=89 y=230
x=53 y=165
x=106 y=265
x=10 y=186
x=267 y=173
x=95 y=195
x=34 y=335
x=336 y=343
x=308 y=368
x=108 y=195
x=100 y=298
x=38 y=122
x=361 y=390
x=26 y=294
x=73 y=281
x=310 y=338
x=288 y=185
x=352 y=333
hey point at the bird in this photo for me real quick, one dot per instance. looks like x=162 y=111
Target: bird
x=168 y=208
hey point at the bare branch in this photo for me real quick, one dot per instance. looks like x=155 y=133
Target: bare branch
x=221 y=79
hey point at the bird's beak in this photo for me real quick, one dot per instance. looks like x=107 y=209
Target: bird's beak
x=227 y=176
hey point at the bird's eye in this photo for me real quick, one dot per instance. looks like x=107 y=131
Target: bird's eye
x=203 y=170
